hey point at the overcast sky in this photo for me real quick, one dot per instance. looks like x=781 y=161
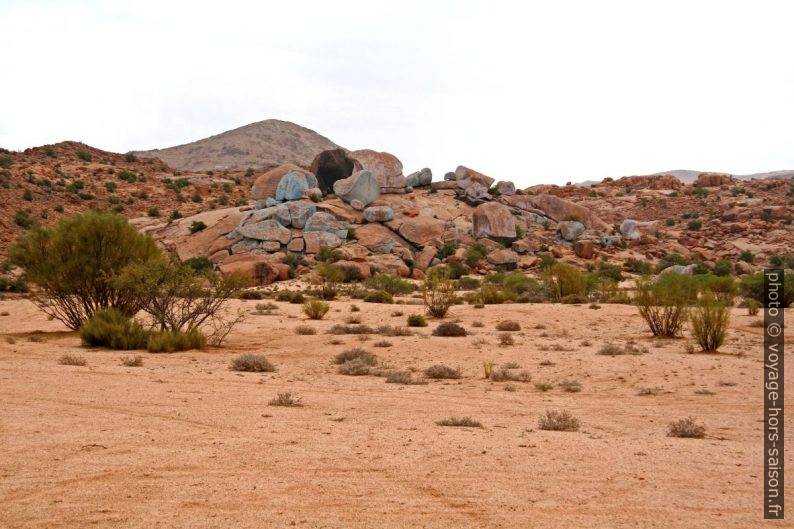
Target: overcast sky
x=540 y=92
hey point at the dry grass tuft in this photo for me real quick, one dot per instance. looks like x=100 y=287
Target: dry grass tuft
x=305 y=330
x=686 y=428
x=570 y=386
x=253 y=363
x=404 y=377
x=449 y=328
x=132 y=361
x=465 y=422
x=439 y=371
x=286 y=399
x=72 y=360
x=558 y=421
x=508 y=325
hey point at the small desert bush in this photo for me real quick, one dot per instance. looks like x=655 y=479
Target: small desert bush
x=465 y=422
x=508 y=325
x=355 y=319
x=686 y=428
x=72 y=360
x=392 y=284
x=112 y=329
x=378 y=296
x=752 y=307
x=416 y=320
x=351 y=329
x=630 y=348
x=315 y=309
x=506 y=339
x=563 y=280
x=355 y=367
x=404 y=377
x=570 y=386
x=251 y=295
x=558 y=421
x=286 y=399
x=356 y=353
x=439 y=371
x=305 y=330
x=449 y=328
x=544 y=386
x=391 y=330
x=709 y=323
x=438 y=293
x=664 y=304
x=132 y=361
x=504 y=374
x=382 y=343
x=172 y=341
x=644 y=392
x=251 y=362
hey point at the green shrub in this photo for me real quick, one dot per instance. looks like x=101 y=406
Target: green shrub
x=664 y=305
x=609 y=271
x=114 y=330
x=23 y=220
x=447 y=249
x=638 y=266
x=694 y=225
x=392 y=284
x=27 y=195
x=416 y=320
x=752 y=287
x=315 y=309
x=77 y=264
x=199 y=264
x=474 y=254
x=330 y=276
x=378 y=296
x=468 y=283
x=747 y=256
x=327 y=255
x=154 y=212
x=84 y=155
x=172 y=341
x=723 y=288
x=723 y=268
x=254 y=363
x=670 y=260
x=752 y=307
x=438 y=294
x=709 y=323
x=356 y=354
x=197 y=226
x=562 y=280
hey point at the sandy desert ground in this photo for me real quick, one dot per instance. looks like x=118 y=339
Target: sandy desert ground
x=184 y=442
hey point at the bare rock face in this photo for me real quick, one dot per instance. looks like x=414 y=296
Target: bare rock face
x=265 y=185
x=379 y=214
x=557 y=209
x=714 y=179
x=376 y=238
x=465 y=177
x=630 y=229
x=259 y=269
x=363 y=187
x=384 y=166
x=266 y=230
x=325 y=222
x=507 y=258
x=505 y=188
x=584 y=249
x=294 y=185
x=314 y=240
x=419 y=178
x=332 y=165
x=422 y=230
x=494 y=221
x=569 y=230
x=743 y=268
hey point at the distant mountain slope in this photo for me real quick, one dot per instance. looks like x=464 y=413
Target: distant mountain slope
x=262 y=144
x=688 y=176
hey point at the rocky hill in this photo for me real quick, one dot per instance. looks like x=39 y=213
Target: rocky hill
x=43 y=184
x=263 y=144
x=359 y=208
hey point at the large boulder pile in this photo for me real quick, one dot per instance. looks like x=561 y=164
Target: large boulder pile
x=384 y=166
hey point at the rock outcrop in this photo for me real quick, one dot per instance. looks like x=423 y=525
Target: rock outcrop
x=494 y=221
x=384 y=166
x=363 y=186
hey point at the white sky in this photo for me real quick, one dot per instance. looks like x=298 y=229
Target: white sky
x=534 y=92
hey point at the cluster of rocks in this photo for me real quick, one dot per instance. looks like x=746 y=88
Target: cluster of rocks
x=360 y=205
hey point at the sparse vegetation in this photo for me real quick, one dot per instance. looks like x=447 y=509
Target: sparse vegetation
x=570 y=386
x=250 y=362
x=316 y=309
x=558 y=421
x=305 y=330
x=286 y=399
x=404 y=377
x=449 y=328
x=72 y=360
x=439 y=371
x=464 y=422
x=416 y=320
x=686 y=428
x=709 y=323
x=438 y=293
x=508 y=325
x=664 y=304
